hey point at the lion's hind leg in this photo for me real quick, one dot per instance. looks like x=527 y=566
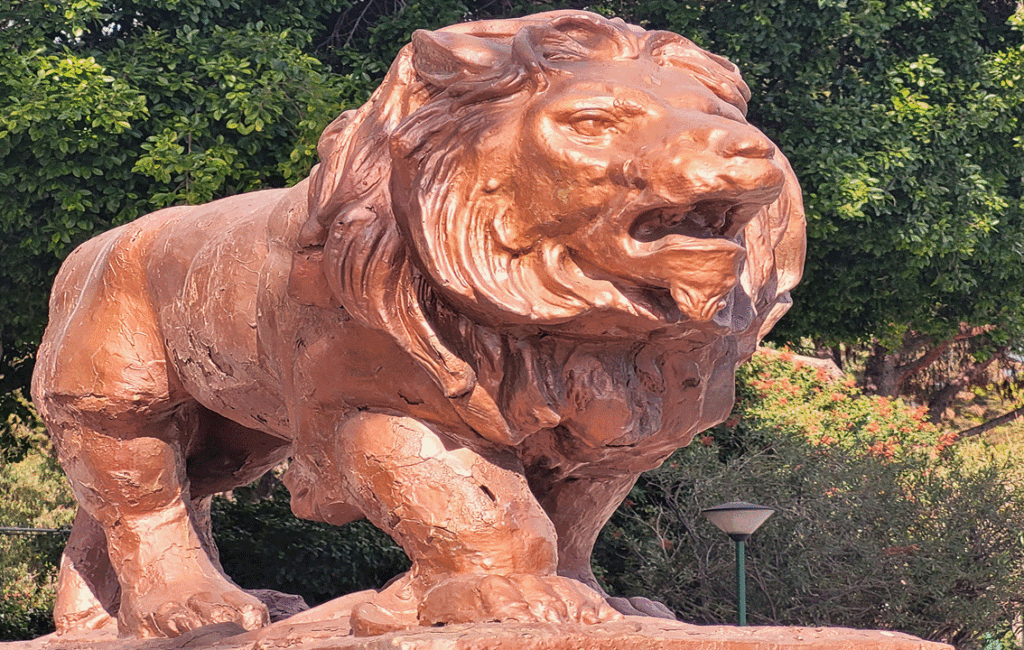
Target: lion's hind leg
x=226 y=455
x=481 y=546
x=113 y=408
x=88 y=593
x=134 y=487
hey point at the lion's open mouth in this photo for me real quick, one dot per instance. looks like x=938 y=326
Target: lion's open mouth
x=693 y=253
x=709 y=219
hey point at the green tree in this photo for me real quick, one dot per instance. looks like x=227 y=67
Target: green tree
x=904 y=120
x=109 y=110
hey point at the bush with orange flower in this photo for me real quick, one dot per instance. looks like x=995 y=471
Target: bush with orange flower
x=882 y=520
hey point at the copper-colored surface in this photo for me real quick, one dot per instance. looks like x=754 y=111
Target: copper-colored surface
x=523 y=273
x=631 y=633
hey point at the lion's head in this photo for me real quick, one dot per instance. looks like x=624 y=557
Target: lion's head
x=563 y=172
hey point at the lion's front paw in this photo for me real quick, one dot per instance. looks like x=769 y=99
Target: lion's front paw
x=639 y=606
x=166 y=613
x=524 y=598
x=279 y=604
x=94 y=618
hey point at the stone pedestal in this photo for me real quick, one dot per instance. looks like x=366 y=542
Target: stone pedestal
x=326 y=628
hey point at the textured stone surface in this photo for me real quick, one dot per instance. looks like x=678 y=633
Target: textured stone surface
x=521 y=275
x=633 y=633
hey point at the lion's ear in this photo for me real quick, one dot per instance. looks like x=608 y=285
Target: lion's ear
x=444 y=59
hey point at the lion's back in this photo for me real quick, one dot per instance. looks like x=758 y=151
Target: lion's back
x=212 y=276
x=102 y=325
x=134 y=307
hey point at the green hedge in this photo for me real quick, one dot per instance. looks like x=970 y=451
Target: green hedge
x=264 y=546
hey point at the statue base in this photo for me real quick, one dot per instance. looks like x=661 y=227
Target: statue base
x=326 y=628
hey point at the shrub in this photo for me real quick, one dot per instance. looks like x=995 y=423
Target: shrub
x=26 y=608
x=880 y=522
x=33 y=494
x=264 y=546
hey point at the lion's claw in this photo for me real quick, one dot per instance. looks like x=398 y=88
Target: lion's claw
x=176 y=616
x=639 y=606
x=523 y=598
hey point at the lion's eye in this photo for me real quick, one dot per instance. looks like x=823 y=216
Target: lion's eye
x=593 y=123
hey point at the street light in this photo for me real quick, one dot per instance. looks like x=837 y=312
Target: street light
x=739 y=520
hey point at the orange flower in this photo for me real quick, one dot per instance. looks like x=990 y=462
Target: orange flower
x=946 y=441
x=883 y=449
x=883 y=407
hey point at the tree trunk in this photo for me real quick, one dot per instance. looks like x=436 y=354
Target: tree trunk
x=941 y=400
x=972 y=375
x=880 y=372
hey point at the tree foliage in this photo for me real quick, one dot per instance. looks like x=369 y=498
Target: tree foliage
x=109 y=110
x=903 y=119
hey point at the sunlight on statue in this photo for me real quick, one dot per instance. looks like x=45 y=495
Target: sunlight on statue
x=523 y=273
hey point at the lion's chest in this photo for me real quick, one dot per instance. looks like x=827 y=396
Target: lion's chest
x=631 y=408
x=340 y=367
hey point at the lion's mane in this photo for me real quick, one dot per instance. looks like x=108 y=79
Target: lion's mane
x=409 y=232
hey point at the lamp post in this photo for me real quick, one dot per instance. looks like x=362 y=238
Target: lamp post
x=739 y=520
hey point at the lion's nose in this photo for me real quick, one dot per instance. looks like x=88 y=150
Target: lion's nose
x=742 y=142
x=708 y=158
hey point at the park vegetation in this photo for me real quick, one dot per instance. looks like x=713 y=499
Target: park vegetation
x=883 y=519
x=904 y=120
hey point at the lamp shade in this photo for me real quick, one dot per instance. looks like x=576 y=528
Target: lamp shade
x=738 y=519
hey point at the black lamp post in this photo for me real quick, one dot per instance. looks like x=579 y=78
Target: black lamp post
x=739 y=520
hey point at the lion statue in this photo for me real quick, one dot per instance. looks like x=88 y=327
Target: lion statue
x=523 y=273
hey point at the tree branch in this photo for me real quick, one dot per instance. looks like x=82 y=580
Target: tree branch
x=904 y=371
x=830 y=367
x=991 y=424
